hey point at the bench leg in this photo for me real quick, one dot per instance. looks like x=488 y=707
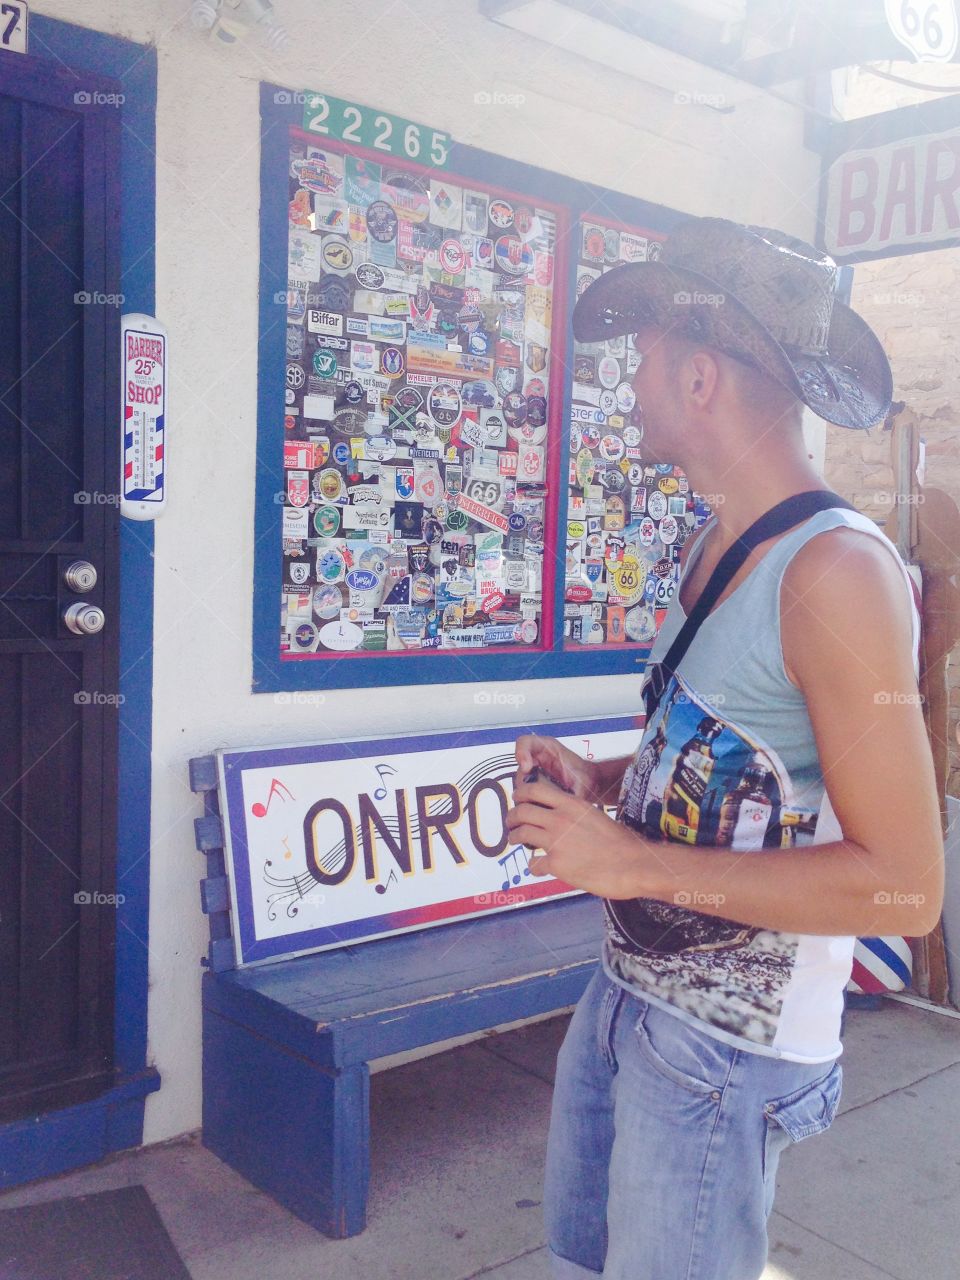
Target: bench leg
x=296 y=1130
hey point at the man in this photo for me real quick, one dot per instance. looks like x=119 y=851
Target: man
x=781 y=801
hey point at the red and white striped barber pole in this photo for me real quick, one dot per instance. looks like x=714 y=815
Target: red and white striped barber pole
x=879 y=965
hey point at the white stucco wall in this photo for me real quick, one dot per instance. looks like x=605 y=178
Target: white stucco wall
x=423 y=59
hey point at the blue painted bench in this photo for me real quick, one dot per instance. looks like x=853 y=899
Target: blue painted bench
x=287 y=1045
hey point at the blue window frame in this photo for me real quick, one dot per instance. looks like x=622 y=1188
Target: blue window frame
x=282 y=111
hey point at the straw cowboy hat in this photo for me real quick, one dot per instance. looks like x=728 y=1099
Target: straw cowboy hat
x=760 y=296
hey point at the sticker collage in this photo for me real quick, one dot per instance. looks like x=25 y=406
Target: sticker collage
x=422 y=403
x=626 y=521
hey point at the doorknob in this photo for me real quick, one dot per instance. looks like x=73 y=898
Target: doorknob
x=80 y=576
x=84 y=619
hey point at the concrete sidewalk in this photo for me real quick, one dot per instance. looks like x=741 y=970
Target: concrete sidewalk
x=458 y=1145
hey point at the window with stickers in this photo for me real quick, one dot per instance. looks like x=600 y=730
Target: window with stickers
x=453 y=489
x=420 y=336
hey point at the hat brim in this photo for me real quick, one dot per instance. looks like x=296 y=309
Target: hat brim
x=849 y=385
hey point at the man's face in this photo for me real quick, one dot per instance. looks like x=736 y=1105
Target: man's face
x=657 y=397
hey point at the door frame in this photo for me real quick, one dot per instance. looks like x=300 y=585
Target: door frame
x=58 y=1140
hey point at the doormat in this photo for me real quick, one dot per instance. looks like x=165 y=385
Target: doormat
x=110 y=1235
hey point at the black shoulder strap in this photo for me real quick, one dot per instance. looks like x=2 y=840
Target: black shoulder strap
x=785 y=515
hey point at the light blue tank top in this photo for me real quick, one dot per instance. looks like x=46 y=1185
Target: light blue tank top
x=729 y=760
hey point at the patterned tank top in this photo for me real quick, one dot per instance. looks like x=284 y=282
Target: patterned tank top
x=729 y=761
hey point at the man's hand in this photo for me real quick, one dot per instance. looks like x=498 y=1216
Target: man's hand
x=582 y=846
x=595 y=780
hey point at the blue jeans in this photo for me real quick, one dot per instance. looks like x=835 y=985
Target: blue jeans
x=664 y=1144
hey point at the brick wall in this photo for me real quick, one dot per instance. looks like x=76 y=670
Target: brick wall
x=913 y=304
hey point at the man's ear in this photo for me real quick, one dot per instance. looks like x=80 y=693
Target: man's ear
x=703 y=377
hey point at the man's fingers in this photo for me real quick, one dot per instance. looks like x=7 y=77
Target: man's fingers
x=544 y=794
x=540 y=866
x=529 y=817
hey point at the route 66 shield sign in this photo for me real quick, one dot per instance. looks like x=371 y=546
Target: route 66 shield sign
x=928 y=28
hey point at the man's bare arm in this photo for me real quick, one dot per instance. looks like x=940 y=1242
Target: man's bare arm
x=846 y=639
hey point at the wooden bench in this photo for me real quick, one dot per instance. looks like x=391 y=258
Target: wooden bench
x=286 y=1046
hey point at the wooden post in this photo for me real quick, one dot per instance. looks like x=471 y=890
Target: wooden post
x=937 y=551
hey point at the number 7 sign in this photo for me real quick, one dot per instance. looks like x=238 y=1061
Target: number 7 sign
x=14 y=17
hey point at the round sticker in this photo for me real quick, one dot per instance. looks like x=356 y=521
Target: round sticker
x=421 y=588
x=640 y=625
x=613 y=480
x=327 y=601
x=647 y=532
x=341 y=453
x=535 y=387
x=349 y=422
x=631 y=435
x=457 y=521
x=341 y=635
x=528 y=630
x=591 y=435
x=331 y=484
x=536 y=410
x=444 y=404
x=295 y=376
x=324 y=363
x=608 y=371
x=363 y=580
x=369 y=275
x=337 y=255
x=331 y=565
x=305 y=636
x=656 y=504
x=326 y=521
x=500 y=213
x=373 y=561
x=513 y=256
x=576 y=438
x=481 y=394
x=668 y=485
x=594 y=243
x=608 y=403
x=668 y=530
x=514 y=408
x=626 y=397
x=452 y=256
x=382 y=225
x=611 y=448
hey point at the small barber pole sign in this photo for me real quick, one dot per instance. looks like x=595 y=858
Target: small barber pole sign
x=142 y=489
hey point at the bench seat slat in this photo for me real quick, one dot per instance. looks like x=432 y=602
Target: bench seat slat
x=345 y=1006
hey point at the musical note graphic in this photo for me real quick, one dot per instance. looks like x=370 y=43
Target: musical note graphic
x=512 y=856
x=381 y=791
x=276 y=788
x=286 y=845
x=589 y=752
x=382 y=888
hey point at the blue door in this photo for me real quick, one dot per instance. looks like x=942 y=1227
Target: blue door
x=60 y=310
